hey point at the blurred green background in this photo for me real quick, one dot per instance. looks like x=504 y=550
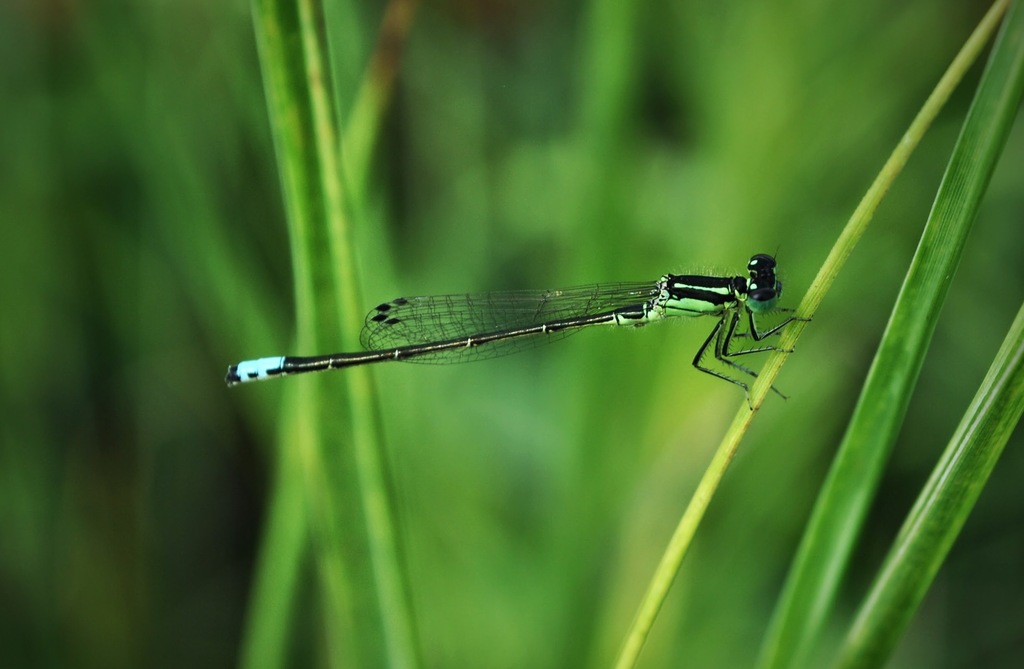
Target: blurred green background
x=526 y=146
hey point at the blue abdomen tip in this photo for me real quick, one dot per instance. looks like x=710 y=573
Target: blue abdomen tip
x=255 y=370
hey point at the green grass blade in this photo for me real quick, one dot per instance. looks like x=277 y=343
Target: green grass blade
x=274 y=590
x=853 y=479
x=374 y=93
x=278 y=569
x=375 y=548
x=675 y=552
x=941 y=510
x=943 y=506
x=342 y=471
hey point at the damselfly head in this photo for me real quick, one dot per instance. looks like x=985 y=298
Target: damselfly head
x=760 y=264
x=763 y=287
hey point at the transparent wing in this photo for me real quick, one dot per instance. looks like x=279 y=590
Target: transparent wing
x=408 y=321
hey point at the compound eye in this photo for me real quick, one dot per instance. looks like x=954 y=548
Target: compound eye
x=762 y=262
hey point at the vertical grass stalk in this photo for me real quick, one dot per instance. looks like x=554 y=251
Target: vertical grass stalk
x=336 y=443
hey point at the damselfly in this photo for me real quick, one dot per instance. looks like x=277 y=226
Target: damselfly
x=459 y=328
